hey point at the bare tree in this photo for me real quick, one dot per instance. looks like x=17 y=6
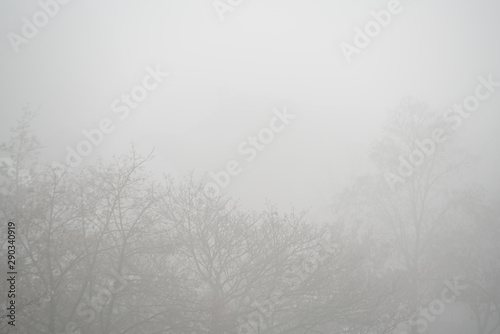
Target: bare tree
x=414 y=205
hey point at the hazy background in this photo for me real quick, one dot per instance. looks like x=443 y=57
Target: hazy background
x=227 y=77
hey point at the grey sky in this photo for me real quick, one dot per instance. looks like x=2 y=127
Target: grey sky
x=228 y=76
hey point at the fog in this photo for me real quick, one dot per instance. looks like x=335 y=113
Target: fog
x=253 y=133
